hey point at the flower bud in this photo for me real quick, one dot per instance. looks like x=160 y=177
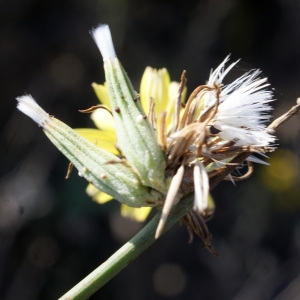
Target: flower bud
x=135 y=134
x=104 y=170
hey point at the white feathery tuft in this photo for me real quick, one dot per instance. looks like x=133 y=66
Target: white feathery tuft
x=217 y=76
x=29 y=107
x=243 y=107
x=103 y=40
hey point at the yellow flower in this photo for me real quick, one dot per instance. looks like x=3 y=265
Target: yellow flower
x=156 y=87
x=151 y=150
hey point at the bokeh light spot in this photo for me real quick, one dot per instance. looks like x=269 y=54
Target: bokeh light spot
x=169 y=280
x=67 y=70
x=282 y=174
x=122 y=228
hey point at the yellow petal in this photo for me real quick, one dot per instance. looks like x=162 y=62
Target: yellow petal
x=144 y=88
x=103 y=119
x=104 y=139
x=102 y=94
x=136 y=214
x=173 y=90
x=162 y=90
x=155 y=84
x=97 y=195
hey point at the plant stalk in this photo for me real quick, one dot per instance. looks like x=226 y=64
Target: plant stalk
x=127 y=253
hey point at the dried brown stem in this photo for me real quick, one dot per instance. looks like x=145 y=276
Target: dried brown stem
x=93 y=108
x=70 y=168
x=285 y=117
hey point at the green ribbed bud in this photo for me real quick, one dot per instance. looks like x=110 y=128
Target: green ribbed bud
x=135 y=134
x=104 y=170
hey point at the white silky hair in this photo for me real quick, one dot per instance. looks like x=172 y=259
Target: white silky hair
x=243 y=107
x=28 y=106
x=103 y=40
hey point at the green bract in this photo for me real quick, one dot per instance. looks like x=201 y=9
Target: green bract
x=135 y=134
x=104 y=170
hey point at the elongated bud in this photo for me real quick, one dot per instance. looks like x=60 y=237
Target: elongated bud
x=135 y=134
x=101 y=168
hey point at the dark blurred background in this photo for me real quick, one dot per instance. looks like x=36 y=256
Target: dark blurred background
x=52 y=234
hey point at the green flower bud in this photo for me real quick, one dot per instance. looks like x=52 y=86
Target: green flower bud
x=104 y=170
x=135 y=134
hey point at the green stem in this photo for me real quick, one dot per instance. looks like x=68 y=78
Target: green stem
x=126 y=254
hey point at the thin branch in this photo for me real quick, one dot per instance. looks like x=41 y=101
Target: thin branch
x=285 y=117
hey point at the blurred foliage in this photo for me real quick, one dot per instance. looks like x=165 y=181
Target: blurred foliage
x=52 y=234
x=282 y=178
